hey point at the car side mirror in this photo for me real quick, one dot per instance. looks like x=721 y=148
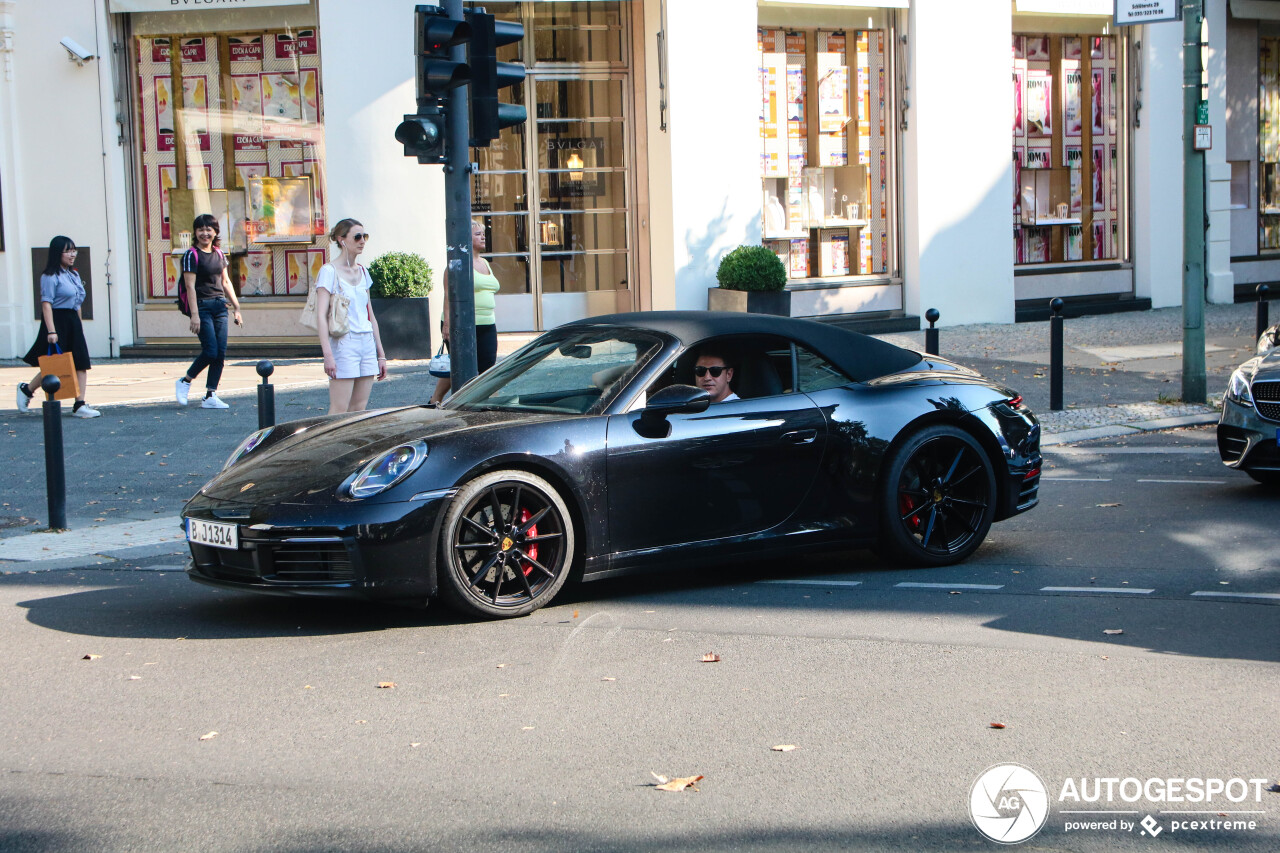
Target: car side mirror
x=672 y=400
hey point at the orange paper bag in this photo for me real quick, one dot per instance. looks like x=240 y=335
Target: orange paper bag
x=63 y=366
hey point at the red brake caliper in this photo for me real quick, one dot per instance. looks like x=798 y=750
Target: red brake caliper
x=532 y=551
x=905 y=505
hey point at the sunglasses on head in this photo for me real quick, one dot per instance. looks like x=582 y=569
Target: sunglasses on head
x=715 y=370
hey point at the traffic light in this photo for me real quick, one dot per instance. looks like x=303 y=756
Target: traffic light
x=423 y=134
x=488 y=75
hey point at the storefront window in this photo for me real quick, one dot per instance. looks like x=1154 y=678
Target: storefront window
x=1068 y=158
x=257 y=163
x=1268 y=143
x=825 y=105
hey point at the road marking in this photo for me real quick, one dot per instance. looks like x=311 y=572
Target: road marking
x=1077 y=479
x=813 y=583
x=914 y=585
x=1188 y=482
x=1121 y=589
x=1269 y=596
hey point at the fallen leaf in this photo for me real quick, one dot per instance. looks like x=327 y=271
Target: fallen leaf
x=526 y=728
x=307 y=687
x=997 y=725
x=662 y=780
x=575 y=614
x=786 y=747
x=1104 y=657
x=679 y=784
x=362 y=722
x=209 y=736
x=386 y=685
x=90 y=657
x=608 y=678
x=151 y=453
x=1113 y=630
x=711 y=657
x=1106 y=504
x=135 y=678
x=954 y=592
x=501 y=665
x=415 y=745
x=1275 y=789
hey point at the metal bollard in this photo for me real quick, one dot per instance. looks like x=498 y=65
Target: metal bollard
x=931 y=334
x=1055 y=355
x=55 y=472
x=1263 y=310
x=266 y=396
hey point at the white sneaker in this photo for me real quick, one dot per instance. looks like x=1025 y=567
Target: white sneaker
x=86 y=411
x=24 y=402
x=181 y=390
x=213 y=402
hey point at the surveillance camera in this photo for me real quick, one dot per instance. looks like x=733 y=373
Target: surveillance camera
x=77 y=53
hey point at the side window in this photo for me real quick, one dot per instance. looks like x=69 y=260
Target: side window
x=815 y=373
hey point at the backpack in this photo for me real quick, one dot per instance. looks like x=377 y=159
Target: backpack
x=183 y=304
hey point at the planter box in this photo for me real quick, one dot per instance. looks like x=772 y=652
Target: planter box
x=776 y=302
x=404 y=326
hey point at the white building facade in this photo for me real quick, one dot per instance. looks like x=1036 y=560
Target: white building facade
x=899 y=155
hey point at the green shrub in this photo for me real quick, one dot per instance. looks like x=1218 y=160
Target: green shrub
x=397 y=275
x=751 y=268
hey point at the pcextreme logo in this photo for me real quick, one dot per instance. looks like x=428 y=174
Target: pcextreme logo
x=1008 y=803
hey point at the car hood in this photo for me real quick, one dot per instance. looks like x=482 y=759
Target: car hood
x=1269 y=367
x=319 y=455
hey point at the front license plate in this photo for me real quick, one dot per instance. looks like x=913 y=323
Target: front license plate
x=215 y=534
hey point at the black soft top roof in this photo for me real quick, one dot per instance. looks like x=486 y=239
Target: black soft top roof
x=861 y=356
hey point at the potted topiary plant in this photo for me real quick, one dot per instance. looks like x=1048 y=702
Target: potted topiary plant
x=401 y=282
x=752 y=279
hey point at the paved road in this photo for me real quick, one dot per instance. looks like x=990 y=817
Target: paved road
x=542 y=733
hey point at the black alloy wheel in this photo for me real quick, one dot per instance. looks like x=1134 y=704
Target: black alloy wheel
x=938 y=497
x=507 y=545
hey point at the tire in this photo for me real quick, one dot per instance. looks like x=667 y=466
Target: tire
x=937 y=498
x=506 y=546
x=1266 y=478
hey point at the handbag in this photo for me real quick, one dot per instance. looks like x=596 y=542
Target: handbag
x=439 y=366
x=308 y=315
x=339 y=313
x=62 y=365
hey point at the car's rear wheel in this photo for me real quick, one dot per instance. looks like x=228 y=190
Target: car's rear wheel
x=1266 y=478
x=506 y=547
x=937 y=498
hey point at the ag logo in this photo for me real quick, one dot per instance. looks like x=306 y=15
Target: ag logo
x=1008 y=803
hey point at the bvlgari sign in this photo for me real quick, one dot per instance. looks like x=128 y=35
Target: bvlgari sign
x=1147 y=11
x=194 y=5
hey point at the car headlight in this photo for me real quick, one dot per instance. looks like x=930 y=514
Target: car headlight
x=1238 y=389
x=246 y=447
x=388 y=469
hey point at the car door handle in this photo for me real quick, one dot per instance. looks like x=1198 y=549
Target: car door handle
x=800 y=436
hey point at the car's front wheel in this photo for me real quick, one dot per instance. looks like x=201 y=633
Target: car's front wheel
x=507 y=545
x=937 y=498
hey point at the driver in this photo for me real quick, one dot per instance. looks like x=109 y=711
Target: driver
x=712 y=373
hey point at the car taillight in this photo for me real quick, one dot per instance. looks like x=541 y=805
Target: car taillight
x=1014 y=402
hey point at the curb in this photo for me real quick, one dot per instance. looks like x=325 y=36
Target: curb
x=1118 y=430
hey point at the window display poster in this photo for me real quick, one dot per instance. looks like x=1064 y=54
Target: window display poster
x=1071 y=106
x=800 y=258
x=1111 y=104
x=301 y=43
x=1071 y=48
x=172 y=266
x=197 y=176
x=195 y=115
x=279 y=210
x=1099 y=239
x=1074 y=157
x=316 y=258
x=246 y=112
x=1037 y=48
x=247 y=171
x=255 y=273
x=1039 y=88
x=1039 y=158
x=1112 y=175
x=245 y=48
x=193 y=49
x=1019 y=52
x=1017 y=183
x=297 y=271
x=1099 y=158
x=1098 y=109
x=833 y=95
x=1037 y=245
x=1019 y=82
x=1073 y=243
x=1096 y=47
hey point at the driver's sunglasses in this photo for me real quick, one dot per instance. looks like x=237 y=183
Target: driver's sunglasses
x=715 y=370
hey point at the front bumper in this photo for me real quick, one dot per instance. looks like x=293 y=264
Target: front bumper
x=1246 y=440
x=382 y=551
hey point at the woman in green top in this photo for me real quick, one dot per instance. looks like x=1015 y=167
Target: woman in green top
x=486 y=286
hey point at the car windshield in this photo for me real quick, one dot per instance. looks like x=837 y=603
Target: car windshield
x=566 y=371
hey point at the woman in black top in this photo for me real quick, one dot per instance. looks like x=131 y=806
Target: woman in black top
x=208 y=284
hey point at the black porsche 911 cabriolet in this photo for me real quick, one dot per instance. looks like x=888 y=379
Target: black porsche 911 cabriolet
x=591 y=452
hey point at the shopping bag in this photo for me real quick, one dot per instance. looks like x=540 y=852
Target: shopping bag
x=62 y=365
x=439 y=366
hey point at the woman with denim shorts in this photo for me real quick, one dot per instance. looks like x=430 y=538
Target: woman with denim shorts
x=208 y=284
x=351 y=361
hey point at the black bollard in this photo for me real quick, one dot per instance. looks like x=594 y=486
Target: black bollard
x=1055 y=355
x=55 y=472
x=266 y=396
x=1263 y=310
x=931 y=334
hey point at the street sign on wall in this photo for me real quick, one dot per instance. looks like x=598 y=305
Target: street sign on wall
x=1147 y=11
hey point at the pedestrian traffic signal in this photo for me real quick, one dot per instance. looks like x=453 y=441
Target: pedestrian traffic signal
x=435 y=33
x=488 y=75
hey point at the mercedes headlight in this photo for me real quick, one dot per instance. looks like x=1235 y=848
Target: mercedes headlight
x=1238 y=388
x=388 y=469
x=247 y=446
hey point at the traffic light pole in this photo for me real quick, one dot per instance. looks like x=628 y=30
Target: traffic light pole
x=1193 y=278
x=457 y=227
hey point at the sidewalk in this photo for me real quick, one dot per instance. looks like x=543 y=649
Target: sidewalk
x=129 y=472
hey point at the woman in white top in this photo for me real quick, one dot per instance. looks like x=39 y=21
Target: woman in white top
x=353 y=360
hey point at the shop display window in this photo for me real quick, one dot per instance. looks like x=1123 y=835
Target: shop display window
x=824 y=152
x=1268 y=144
x=240 y=137
x=1068 y=198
